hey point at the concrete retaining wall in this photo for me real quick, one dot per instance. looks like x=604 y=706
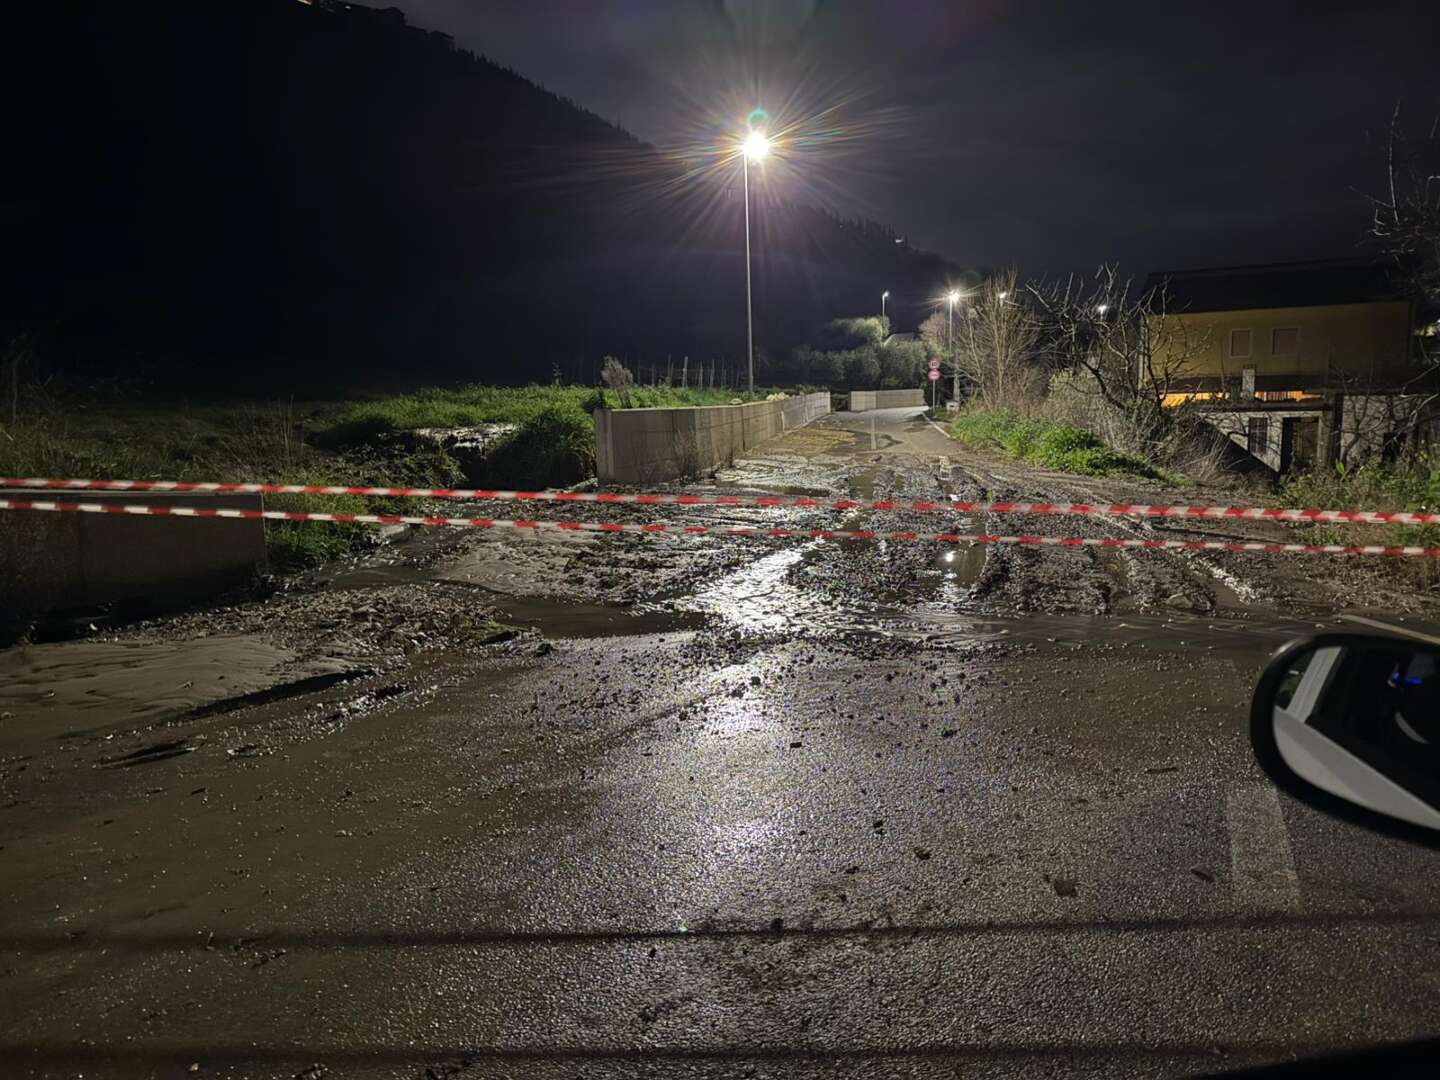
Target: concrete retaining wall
x=51 y=561
x=864 y=400
x=646 y=446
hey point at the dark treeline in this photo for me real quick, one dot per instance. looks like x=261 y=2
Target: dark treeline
x=307 y=193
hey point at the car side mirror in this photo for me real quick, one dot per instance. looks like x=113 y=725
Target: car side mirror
x=1350 y=724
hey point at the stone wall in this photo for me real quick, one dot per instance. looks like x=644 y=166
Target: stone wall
x=647 y=446
x=864 y=400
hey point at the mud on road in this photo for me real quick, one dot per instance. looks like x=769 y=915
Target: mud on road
x=438 y=592
x=845 y=585
x=501 y=804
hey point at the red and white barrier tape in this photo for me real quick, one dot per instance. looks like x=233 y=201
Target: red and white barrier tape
x=1374 y=517
x=713 y=530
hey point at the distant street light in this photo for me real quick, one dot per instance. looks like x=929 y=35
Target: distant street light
x=883 y=297
x=952 y=298
x=755 y=147
x=1002 y=294
x=1100 y=309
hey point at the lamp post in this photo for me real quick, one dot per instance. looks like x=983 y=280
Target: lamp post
x=755 y=148
x=951 y=298
x=883 y=297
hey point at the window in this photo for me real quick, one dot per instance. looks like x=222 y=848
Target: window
x=1239 y=343
x=1284 y=341
x=1257 y=435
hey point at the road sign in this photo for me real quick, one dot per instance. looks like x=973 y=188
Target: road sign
x=934 y=374
x=934 y=364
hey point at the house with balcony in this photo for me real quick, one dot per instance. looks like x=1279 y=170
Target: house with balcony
x=1300 y=364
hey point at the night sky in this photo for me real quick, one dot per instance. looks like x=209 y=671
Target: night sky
x=1051 y=136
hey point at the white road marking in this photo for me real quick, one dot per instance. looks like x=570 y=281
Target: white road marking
x=1262 y=870
x=1378 y=625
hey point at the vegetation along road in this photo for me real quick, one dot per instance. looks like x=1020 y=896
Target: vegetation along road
x=474 y=803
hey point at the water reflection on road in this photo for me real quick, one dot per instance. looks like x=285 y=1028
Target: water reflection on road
x=772 y=596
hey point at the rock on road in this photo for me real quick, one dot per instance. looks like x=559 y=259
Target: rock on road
x=811 y=810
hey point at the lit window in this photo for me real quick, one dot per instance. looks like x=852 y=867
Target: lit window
x=1239 y=343
x=1285 y=341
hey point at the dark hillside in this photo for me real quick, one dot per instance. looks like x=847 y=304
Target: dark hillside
x=323 y=192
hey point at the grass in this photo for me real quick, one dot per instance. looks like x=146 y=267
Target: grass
x=1413 y=485
x=1050 y=445
x=88 y=435
x=470 y=406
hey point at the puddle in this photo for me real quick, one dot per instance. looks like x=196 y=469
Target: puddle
x=510 y=590
x=770 y=595
x=761 y=597
x=960 y=567
x=557 y=619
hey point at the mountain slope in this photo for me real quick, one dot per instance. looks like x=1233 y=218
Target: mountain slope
x=320 y=190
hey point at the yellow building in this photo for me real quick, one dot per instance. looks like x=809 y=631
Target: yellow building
x=1299 y=364
x=1287 y=331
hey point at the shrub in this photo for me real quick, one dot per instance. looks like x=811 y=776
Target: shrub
x=1413 y=485
x=554 y=448
x=1049 y=445
x=294 y=545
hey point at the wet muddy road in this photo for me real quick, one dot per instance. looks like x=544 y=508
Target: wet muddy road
x=722 y=808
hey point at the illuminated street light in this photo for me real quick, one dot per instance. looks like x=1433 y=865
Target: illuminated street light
x=1100 y=309
x=1003 y=294
x=883 y=297
x=754 y=147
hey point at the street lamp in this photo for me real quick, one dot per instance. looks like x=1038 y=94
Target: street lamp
x=951 y=299
x=883 y=297
x=755 y=147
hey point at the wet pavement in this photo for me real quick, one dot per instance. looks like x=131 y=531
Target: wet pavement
x=720 y=808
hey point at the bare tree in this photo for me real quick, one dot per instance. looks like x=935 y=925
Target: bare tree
x=1406 y=226
x=995 y=342
x=1122 y=347
x=1406 y=221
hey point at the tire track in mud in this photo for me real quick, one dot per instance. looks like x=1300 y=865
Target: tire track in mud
x=1084 y=579
x=1198 y=582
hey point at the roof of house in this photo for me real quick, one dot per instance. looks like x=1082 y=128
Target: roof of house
x=1301 y=284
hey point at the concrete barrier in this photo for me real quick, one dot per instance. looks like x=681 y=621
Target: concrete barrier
x=864 y=400
x=50 y=562
x=646 y=446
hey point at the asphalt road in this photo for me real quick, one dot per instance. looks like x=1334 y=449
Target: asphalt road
x=751 y=834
